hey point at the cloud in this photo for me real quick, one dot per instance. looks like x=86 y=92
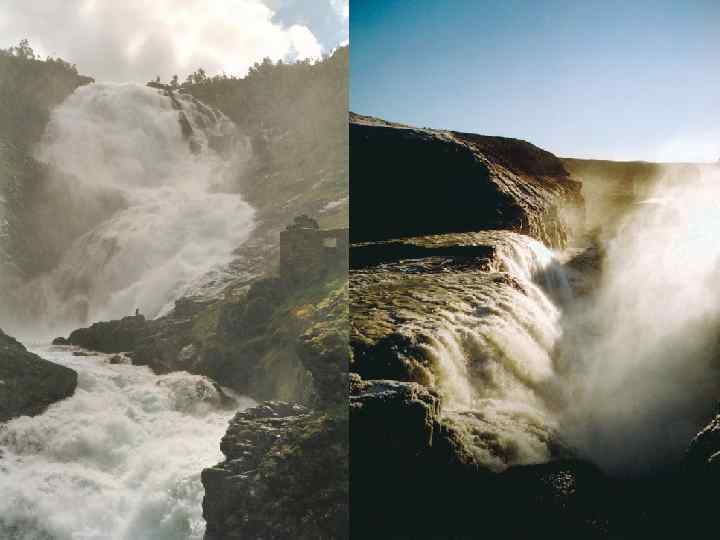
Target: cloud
x=136 y=40
x=342 y=8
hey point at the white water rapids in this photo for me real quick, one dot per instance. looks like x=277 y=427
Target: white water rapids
x=119 y=460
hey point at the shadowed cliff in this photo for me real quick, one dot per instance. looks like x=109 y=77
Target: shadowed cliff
x=412 y=182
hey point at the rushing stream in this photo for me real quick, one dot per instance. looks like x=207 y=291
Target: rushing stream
x=119 y=460
x=140 y=208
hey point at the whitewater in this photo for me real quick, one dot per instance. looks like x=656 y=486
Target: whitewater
x=142 y=199
x=148 y=184
x=119 y=460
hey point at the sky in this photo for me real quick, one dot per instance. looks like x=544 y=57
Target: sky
x=601 y=79
x=136 y=40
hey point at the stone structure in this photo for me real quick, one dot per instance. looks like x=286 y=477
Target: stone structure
x=308 y=253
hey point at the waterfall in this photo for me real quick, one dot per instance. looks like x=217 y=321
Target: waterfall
x=491 y=350
x=640 y=358
x=141 y=205
x=119 y=460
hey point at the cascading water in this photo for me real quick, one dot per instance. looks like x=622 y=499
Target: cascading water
x=623 y=376
x=142 y=209
x=491 y=351
x=119 y=460
x=151 y=175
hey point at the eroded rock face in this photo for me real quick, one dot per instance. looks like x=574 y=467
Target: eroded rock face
x=413 y=182
x=29 y=384
x=284 y=476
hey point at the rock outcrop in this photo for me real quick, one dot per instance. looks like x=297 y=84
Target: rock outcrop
x=284 y=476
x=431 y=488
x=29 y=384
x=413 y=182
x=109 y=336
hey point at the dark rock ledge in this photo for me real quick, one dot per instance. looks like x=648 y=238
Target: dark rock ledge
x=29 y=384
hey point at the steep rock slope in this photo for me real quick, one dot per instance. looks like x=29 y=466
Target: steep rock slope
x=411 y=182
x=29 y=384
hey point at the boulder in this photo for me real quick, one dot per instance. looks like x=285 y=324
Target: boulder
x=284 y=476
x=110 y=336
x=29 y=384
x=405 y=461
x=412 y=478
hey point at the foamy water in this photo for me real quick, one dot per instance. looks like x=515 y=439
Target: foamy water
x=119 y=460
x=491 y=351
x=179 y=216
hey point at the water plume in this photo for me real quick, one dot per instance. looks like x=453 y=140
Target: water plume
x=640 y=355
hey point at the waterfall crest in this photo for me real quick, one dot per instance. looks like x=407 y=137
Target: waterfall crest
x=491 y=353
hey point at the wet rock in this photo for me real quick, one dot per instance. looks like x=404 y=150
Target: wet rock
x=284 y=476
x=398 y=297
x=402 y=456
x=29 y=384
x=60 y=341
x=81 y=353
x=111 y=336
x=411 y=182
x=324 y=350
x=409 y=462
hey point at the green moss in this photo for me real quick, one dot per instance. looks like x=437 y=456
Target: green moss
x=205 y=324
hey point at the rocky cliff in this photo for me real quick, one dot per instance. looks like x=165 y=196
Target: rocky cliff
x=29 y=384
x=412 y=182
x=284 y=476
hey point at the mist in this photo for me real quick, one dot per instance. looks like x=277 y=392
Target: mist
x=137 y=209
x=639 y=355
